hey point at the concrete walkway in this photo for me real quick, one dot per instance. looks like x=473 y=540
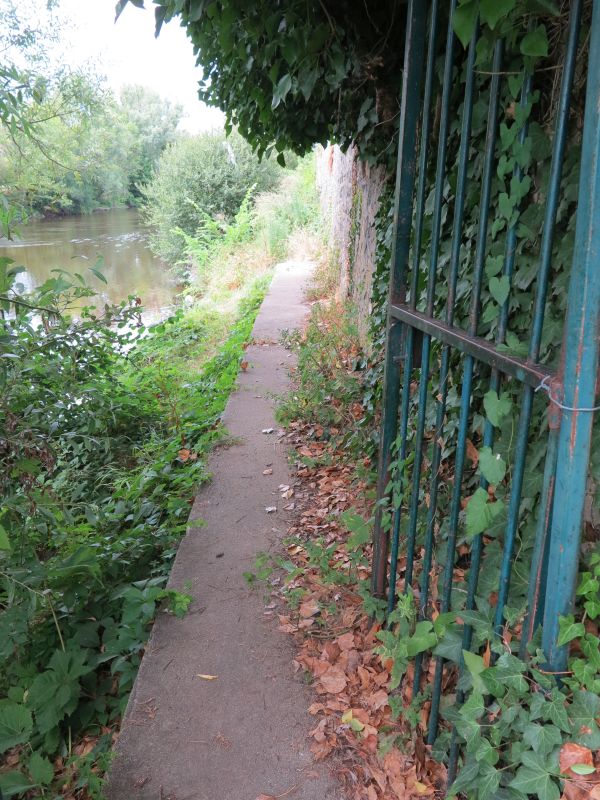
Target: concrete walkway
x=242 y=734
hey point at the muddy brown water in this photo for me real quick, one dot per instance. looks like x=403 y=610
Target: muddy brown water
x=117 y=237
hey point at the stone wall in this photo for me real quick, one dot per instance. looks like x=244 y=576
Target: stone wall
x=349 y=191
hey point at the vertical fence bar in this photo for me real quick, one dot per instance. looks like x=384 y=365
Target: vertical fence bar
x=580 y=373
x=552 y=201
x=488 y=441
x=461 y=185
x=431 y=282
x=414 y=48
x=495 y=380
x=486 y=185
x=408 y=355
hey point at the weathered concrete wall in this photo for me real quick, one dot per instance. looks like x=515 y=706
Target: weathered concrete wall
x=350 y=192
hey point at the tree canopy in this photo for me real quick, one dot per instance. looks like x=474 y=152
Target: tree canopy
x=288 y=75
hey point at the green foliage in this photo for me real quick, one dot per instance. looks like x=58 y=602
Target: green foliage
x=78 y=148
x=290 y=75
x=106 y=428
x=201 y=182
x=329 y=385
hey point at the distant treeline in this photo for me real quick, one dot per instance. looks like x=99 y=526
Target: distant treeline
x=86 y=148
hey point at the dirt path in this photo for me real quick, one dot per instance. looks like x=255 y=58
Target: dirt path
x=242 y=734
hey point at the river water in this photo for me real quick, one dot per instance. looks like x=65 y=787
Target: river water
x=75 y=243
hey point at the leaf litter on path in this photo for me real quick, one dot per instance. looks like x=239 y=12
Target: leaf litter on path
x=337 y=641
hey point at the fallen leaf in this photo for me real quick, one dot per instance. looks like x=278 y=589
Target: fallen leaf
x=270 y=509
x=268 y=471
x=472 y=453
x=208 y=677
x=571 y=754
x=334 y=680
x=244 y=365
x=268 y=430
x=309 y=608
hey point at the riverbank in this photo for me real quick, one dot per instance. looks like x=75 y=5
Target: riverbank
x=88 y=561
x=109 y=435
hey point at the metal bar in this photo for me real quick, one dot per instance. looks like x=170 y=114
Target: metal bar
x=488 y=439
x=580 y=373
x=431 y=281
x=496 y=377
x=461 y=184
x=539 y=308
x=481 y=349
x=539 y=560
x=469 y=363
x=405 y=179
x=419 y=210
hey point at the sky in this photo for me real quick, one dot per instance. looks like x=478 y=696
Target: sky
x=127 y=52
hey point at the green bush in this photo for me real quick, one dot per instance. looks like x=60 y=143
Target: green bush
x=208 y=174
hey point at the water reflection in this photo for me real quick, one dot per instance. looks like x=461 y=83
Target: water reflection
x=74 y=244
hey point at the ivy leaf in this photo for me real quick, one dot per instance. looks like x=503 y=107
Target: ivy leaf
x=535 y=43
x=449 y=646
x=464 y=21
x=496 y=408
x=473 y=708
x=492 y=466
x=533 y=778
x=15 y=724
x=422 y=639
x=569 y=629
x=592 y=608
x=555 y=711
x=583 y=712
x=499 y=289
x=466 y=777
x=492 y=11
x=40 y=769
x=493 y=265
x=480 y=513
x=509 y=672
x=488 y=781
x=542 y=738
x=475 y=664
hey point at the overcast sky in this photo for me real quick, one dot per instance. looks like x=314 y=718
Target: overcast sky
x=127 y=52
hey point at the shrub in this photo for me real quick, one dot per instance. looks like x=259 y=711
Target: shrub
x=200 y=176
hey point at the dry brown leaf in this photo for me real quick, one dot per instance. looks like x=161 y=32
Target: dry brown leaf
x=472 y=453
x=571 y=754
x=309 y=608
x=334 y=680
x=208 y=677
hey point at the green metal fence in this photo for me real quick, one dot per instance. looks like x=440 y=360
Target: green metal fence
x=429 y=353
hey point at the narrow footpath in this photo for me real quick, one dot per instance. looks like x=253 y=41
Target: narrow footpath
x=241 y=734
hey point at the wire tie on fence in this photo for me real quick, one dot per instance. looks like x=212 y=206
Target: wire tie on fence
x=544 y=386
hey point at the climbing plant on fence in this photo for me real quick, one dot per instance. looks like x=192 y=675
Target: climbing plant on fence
x=492 y=238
